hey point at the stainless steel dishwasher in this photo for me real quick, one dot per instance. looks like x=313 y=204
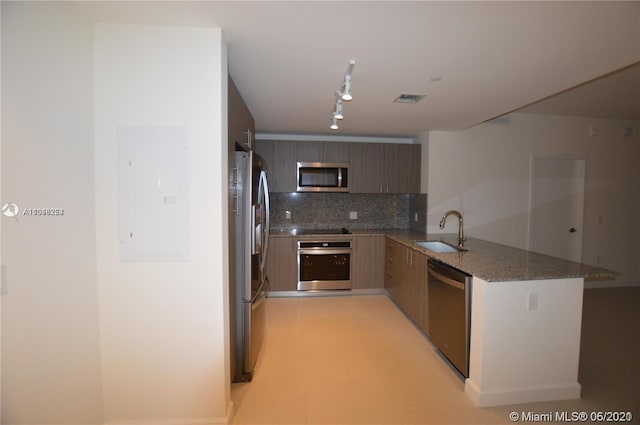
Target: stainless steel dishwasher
x=450 y=313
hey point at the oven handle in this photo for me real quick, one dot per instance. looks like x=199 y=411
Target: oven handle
x=448 y=281
x=323 y=251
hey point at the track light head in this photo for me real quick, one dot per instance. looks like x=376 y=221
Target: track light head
x=337 y=111
x=342 y=94
x=346 y=91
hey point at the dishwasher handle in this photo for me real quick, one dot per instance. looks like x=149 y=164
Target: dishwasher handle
x=447 y=280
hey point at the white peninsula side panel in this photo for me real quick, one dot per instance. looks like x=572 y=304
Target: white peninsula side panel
x=525 y=341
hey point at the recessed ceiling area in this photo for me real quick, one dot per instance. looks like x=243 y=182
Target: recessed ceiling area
x=475 y=60
x=615 y=96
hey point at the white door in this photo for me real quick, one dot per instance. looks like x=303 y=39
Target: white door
x=557 y=205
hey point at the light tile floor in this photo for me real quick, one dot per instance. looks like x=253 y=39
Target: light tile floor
x=359 y=360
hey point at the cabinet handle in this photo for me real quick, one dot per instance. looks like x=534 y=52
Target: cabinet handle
x=410 y=257
x=248 y=133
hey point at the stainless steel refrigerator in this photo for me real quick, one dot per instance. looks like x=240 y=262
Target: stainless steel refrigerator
x=251 y=207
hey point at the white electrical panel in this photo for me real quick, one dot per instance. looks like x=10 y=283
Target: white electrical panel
x=153 y=193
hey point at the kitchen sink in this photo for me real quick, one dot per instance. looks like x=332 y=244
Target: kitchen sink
x=439 y=246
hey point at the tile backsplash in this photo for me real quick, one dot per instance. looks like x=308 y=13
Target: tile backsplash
x=332 y=210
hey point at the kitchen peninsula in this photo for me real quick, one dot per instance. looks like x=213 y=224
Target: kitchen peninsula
x=526 y=316
x=526 y=319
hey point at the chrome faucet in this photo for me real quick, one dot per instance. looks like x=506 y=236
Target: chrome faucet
x=461 y=237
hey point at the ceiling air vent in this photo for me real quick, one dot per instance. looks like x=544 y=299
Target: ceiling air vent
x=409 y=98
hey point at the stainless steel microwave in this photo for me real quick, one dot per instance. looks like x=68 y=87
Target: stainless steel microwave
x=323 y=177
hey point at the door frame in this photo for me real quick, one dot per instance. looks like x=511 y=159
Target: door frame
x=532 y=182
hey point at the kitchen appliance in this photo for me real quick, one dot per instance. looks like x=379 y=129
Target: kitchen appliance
x=324 y=264
x=450 y=312
x=323 y=177
x=252 y=242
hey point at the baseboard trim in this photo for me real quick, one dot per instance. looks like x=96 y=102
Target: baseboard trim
x=187 y=421
x=506 y=396
x=230 y=412
x=342 y=293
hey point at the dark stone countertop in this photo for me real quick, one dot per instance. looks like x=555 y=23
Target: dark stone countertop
x=489 y=261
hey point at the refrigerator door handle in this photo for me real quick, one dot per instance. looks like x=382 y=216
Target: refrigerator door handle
x=264 y=188
x=261 y=295
x=257 y=223
x=265 y=250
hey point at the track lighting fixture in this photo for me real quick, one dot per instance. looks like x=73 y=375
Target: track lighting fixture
x=337 y=111
x=342 y=94
x=346 y=89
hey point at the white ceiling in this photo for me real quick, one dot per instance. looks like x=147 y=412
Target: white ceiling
x=288 y=58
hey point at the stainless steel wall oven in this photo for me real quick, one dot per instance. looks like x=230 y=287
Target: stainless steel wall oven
x=324 y=264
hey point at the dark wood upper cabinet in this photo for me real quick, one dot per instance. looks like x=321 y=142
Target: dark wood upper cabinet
x=373 y=167
x=366 y=171
x=309 y=152
x=402 y=168
x=335 y=152
x=384 y=168
x=322 y=152
x=240 y=121
x=280 y=159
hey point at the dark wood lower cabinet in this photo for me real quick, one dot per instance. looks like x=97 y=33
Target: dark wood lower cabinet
x=406 y=281
x=367 y=262
x=391 y=274
x=282 y=264
x=376 y=262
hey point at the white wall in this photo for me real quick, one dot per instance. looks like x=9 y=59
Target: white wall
x=51 y=357
x=533 y=358
x=86 y=339
x=1 y=261
x=484 y=172
x=162 y=324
